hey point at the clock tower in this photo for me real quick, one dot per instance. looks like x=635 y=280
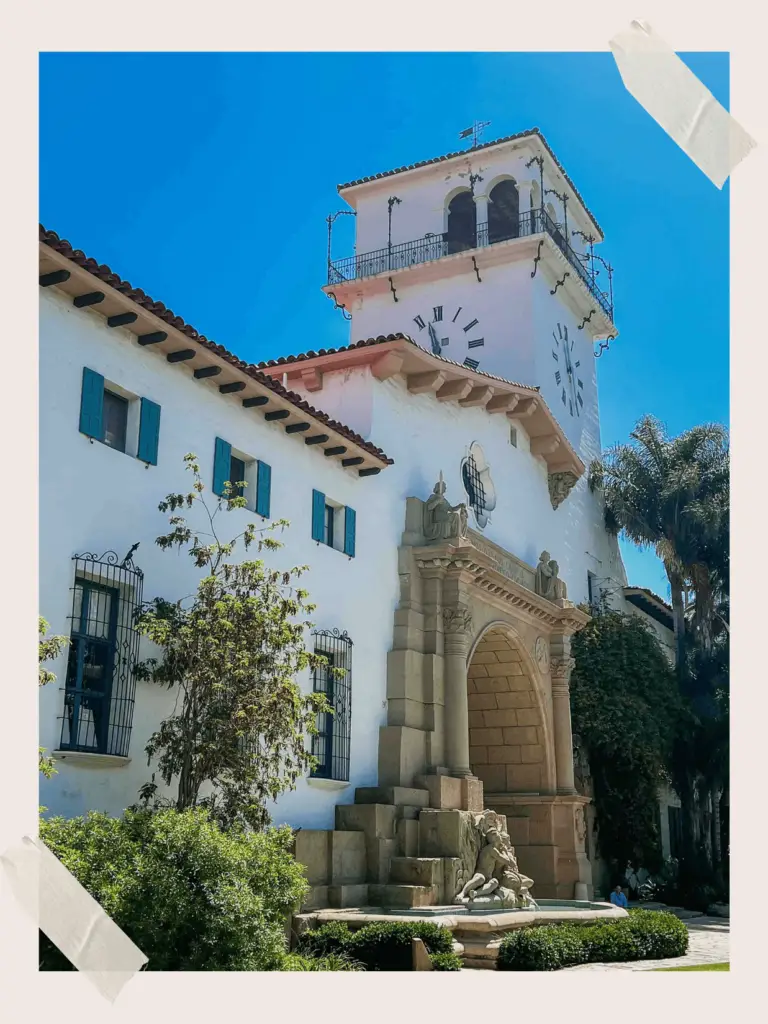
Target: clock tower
x=485 y=257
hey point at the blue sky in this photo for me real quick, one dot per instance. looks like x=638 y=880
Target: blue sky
x=205 y=179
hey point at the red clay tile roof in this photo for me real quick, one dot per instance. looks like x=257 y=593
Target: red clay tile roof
x=475 y=149
x=380 y=340
x=104 y=273
x=650 y=593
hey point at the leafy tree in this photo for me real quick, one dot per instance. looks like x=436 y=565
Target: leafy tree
x=625 y=705
x=48 y=648
x=191 y=895
x=233 y=651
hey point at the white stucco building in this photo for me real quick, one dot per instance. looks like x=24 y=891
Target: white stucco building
x=479 y=322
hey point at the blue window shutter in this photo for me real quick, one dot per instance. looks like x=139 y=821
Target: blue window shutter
x=349 y=531
x=263 y=488
x=221 y=458
x=149 y=431
x=318 y=516
x=92 y=404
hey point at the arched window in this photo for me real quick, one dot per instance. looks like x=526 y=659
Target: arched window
x=462 y=230
x=503 y=212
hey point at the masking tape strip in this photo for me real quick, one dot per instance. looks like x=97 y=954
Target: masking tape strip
x=71 y=917
x=678 y=101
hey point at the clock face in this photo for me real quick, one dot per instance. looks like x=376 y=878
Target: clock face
x=452 y=332
x=567 y=372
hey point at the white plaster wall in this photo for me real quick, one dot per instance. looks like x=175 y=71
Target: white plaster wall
x=425 y=436
x=93 y=498
x=425 y=195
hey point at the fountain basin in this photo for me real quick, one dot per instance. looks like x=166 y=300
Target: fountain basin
x=477 y=933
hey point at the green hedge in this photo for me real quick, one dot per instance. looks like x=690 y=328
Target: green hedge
x=644 y=935
x=445 y=961
x=381 y=946
x=331 y=962
x=192 y=896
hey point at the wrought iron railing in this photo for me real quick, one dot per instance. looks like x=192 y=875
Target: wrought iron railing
x=434 y=247
x=330 y=745
x=100 y=685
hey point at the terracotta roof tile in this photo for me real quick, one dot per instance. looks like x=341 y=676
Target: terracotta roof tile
x=381 y=340
x=475 y=149
x=105 y=274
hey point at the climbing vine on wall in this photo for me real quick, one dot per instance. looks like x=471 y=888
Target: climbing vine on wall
x=624 y=704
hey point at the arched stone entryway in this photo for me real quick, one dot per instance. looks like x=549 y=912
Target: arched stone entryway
x=478 y=707
x=510 y=748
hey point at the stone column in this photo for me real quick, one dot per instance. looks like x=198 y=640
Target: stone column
x=481 y=215
x=457 y=626
x=561 y=665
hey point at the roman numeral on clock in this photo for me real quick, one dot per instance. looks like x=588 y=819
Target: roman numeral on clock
x=456 y=314
x=419 y=321
x=471 y=325
x=555 y=356
x=557 y=376
x=579 y=399
x=437 y=313
x=476 y=343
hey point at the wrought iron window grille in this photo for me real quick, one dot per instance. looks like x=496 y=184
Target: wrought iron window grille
x=100 y=682
x=434 y=247
x=330 y=745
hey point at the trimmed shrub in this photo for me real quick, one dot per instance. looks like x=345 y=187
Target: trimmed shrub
x=381 y=946
x=333 y=937
x=331 y=962
x=644 y=935
x=544 y=948
x=189 y=894
x=385 y=946
x=445 y=961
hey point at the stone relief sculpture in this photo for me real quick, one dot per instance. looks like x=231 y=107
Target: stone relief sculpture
x=497 y=881
x=443 y=521
x=548 y=582
x=560 y=486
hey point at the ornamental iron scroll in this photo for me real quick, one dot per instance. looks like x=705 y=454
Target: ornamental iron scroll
x=476 y=477
x=100 y=682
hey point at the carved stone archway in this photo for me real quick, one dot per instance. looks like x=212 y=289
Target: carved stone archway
x=463 y=598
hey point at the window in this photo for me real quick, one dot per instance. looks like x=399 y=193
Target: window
x=513 y=436
x=99 y=684
x=330 y=515
x=333 y=524
x=594 y=592
x=120 y=420
x=115 y=420
x=503 y=212
x=234 y=467
x=462 y=224
x=237 y=475
x=330 y=745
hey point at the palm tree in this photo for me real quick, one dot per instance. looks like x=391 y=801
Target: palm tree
x=672 y=494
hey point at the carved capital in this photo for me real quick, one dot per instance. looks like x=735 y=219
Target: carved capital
x=457 y=620
x=560 y=486
x=560 y=669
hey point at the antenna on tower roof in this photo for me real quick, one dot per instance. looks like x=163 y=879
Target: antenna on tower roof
x=475 y=131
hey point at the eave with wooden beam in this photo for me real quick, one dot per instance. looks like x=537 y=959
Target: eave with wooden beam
x=423 y=373
x=204 y=364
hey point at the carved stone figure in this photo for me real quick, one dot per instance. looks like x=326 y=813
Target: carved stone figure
x=560 y=486
x=548 y=583
x=443 y=521
x=496 y=881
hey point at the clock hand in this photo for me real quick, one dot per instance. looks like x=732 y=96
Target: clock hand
x=433 y=339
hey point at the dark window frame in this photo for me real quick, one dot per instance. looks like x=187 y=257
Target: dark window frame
x=98 y=720
x=331 y=743
x=115 y=401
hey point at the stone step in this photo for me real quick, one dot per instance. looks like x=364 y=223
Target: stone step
x=376 y=820
x=347 y=896
x=402 y=895
x=416 y=870
x=398 y=795
x=407 y=838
